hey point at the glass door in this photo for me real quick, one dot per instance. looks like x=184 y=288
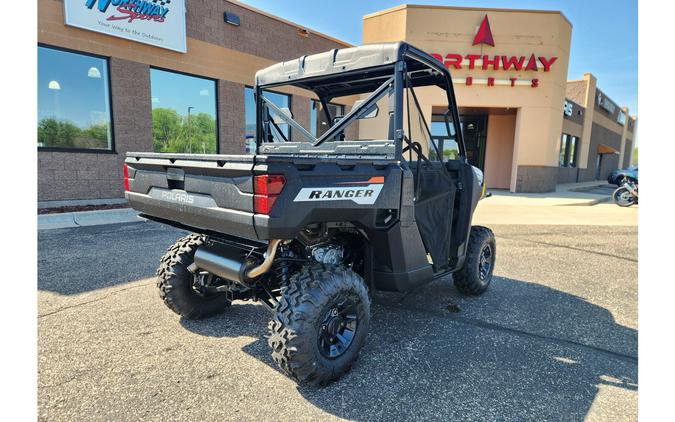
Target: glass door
x=474 y=128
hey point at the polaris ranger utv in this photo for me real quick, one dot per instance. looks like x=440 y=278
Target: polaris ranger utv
x=325 y=213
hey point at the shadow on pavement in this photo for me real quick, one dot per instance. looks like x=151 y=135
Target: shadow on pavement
x=523 y=351
x=73 y=261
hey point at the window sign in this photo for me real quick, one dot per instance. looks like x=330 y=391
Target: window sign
x=621 y=118
x=156 y=22
x=606 y=103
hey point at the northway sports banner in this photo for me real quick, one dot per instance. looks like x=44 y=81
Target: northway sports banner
x=156 y=22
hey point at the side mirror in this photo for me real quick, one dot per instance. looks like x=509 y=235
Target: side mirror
x=372 y=112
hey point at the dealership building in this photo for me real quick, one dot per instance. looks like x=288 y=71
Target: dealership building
x=176 y=75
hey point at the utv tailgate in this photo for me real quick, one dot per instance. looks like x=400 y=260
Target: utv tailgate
x=212 y=192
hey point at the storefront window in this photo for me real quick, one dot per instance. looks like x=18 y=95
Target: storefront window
x=183 y=113
x=318 y=121
x=563 y=149
x=73 y=101
x=568 y=150
x=572 y=147
x=280 y=100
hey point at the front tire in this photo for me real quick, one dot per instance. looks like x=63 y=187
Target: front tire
x=475 y=277
x=321 y=323
x=175 y=282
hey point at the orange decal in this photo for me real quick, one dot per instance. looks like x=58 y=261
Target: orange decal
x=372 y=180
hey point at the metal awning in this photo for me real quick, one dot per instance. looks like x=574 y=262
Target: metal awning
x=606 y=149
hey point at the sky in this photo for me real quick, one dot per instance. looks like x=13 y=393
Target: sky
x=178 y=92
x=604 y=33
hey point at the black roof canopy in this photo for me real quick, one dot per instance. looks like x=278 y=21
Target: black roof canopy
x=354 y=70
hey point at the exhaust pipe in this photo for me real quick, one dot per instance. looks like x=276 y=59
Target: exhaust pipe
x=226 y=261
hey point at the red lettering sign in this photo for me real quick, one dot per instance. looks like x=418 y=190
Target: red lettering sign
x=547 y=63
x=487 y=62
x=454 y=60
x=516 y=62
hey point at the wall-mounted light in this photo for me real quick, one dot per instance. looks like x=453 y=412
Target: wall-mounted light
x=54 y=85
x=232 y=19
x=303 y=32
x=94 y=73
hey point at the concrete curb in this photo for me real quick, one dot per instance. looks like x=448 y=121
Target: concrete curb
x=87 y=218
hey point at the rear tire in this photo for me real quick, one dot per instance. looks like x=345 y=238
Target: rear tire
x=321 y=323
x=475 y=277
x=175 y=282
x=623 y=198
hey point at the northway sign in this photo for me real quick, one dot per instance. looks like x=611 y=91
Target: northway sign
x=156 y=22
x=496 y=62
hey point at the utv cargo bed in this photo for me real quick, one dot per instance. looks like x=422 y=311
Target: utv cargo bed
x=210 y=192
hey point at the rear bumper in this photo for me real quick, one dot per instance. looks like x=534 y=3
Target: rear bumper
x=221 y=220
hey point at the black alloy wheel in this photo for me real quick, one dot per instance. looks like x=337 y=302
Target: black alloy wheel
x=338 y=329
x=485 y=262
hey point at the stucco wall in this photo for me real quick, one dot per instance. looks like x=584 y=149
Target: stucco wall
x=499 y=150
x=442 y=30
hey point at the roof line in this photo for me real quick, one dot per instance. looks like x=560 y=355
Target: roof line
x=483 y=9
x=289 y=23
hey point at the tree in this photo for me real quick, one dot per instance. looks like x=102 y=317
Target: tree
x=635 y=156
x=57 y=133
x=166 y=124
x=175 y=133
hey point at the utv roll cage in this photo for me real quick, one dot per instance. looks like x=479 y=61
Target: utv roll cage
x=378 y=69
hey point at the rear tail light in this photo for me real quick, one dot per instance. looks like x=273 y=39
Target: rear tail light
x=126 y=178
x=266 y=190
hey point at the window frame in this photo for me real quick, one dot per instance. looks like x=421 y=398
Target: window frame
x=442 y=139
x=290 y=107
x=569 y=160
x=216 y=94
x=113 y=147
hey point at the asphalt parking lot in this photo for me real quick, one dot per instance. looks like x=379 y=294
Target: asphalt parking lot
x=555 y=338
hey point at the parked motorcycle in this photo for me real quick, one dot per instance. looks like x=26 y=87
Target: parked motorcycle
x=627 y=193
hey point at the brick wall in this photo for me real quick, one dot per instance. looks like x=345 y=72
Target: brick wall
x=301 y=109
x=258 y=34
x=576 y=91
x=231 y=117
x=567 y=174
x=536 y=178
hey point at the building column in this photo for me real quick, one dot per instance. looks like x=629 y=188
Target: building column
x=624 y=134
x=536 y=149
x=516 y=144
x=231 y=118
x=589 y=108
